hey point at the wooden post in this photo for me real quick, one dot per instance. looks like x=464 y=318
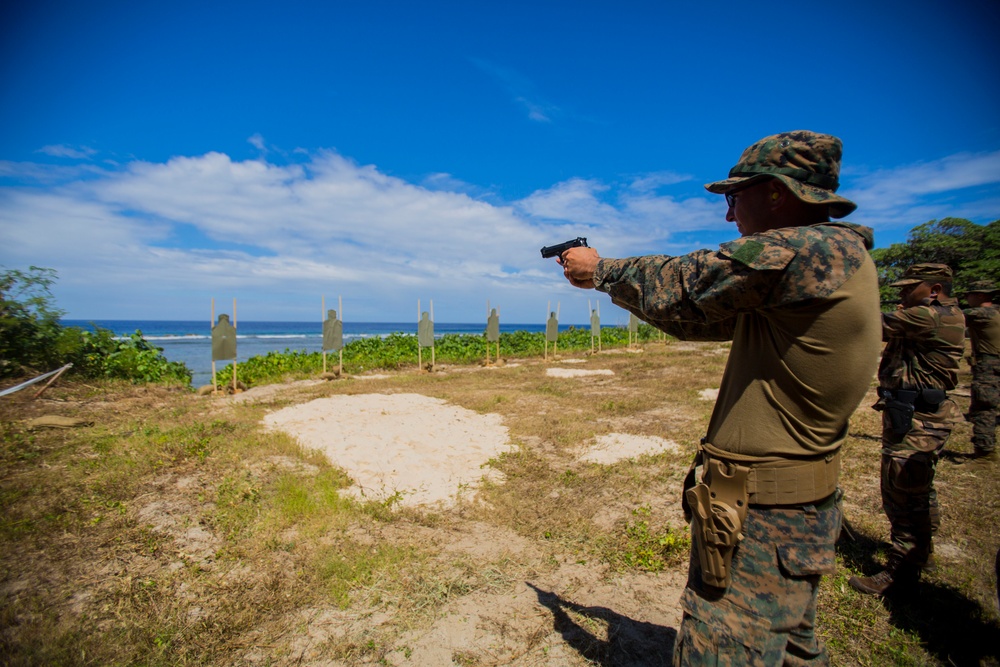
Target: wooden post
x=598 y=304
x=53 y=379
x=237 y=353
x=548 y=309
x=555 y=344
x=211 y=325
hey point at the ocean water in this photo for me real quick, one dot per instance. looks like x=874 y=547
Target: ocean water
x=190 y=342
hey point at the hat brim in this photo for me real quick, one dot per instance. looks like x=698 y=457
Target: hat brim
x=722 y=187
x=908 y=281
x=839 y=206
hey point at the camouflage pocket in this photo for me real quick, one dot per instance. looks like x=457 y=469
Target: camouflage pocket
x=722 y=634
x=805 y=560
x=913 y=474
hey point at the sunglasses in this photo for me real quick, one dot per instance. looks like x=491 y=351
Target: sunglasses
x=731 y=194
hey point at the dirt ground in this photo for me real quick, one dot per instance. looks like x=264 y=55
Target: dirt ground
x=488 y=586
x=429 y=452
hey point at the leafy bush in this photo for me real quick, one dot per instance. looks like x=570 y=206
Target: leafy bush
x=99 y=353
x=30 y=335
x=33 y=340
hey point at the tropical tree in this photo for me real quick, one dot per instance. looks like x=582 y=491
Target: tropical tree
x=972 y=251
x=29 y=325
x=32 y=339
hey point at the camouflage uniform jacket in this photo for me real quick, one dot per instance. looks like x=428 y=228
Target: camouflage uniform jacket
x=801 y=307
x=984 y=330
x=924 y=345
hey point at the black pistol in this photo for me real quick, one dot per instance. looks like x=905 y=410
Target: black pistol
x=558 y=249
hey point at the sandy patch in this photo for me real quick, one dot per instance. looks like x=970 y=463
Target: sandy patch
x=269 y=391
x=422 y=448
x=576 y=372
x=709 y=394
x=614 y=447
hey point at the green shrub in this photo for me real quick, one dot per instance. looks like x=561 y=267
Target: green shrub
x=99 y=353
x=29 y=326
x=33 y=340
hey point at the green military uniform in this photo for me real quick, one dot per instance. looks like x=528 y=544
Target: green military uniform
x=801 y=307
x=983 y=325
x=924 y=345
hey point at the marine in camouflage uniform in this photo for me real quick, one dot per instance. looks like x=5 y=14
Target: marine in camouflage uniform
x=982 y=322
x=798 y=296
x=925 y=339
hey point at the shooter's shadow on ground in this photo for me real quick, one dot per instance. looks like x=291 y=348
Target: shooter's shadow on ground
x=629 y=643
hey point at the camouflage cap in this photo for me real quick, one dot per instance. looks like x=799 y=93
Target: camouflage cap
x=919 y=273
x=982 y=287
x=807 y=162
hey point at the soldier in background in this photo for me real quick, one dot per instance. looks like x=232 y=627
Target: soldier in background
x=798 y=296
x=982 y=320
x=925 y=339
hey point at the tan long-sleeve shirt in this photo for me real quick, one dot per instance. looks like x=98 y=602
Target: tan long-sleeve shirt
x=801 y=306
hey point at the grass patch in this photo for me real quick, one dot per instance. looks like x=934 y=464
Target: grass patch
x=637 y=544
x=350 y=565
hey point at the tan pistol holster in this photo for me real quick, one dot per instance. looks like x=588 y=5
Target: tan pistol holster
x=716 y=508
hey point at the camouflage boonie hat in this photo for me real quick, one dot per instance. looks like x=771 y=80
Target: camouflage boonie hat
x=919 y=273
x=807 y=162
x=982 y=287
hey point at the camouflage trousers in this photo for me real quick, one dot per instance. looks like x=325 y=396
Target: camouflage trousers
x=767 y=615
x=909 y=463
x=985 y=406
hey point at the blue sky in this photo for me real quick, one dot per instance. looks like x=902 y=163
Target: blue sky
x=159 y=155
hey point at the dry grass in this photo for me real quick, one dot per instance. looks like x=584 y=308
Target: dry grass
x=176 y=530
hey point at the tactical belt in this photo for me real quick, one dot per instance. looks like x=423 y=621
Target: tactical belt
x=717 y=506
x=773 y=481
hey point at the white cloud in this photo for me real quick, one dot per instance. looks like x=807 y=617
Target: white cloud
x=629 y=219
x=74 y=152
x=909 y=195
x=521 y=91
x=205 y=223
x=257 y=141
x=650 y=182
x=158 y=240
x=576 y=200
